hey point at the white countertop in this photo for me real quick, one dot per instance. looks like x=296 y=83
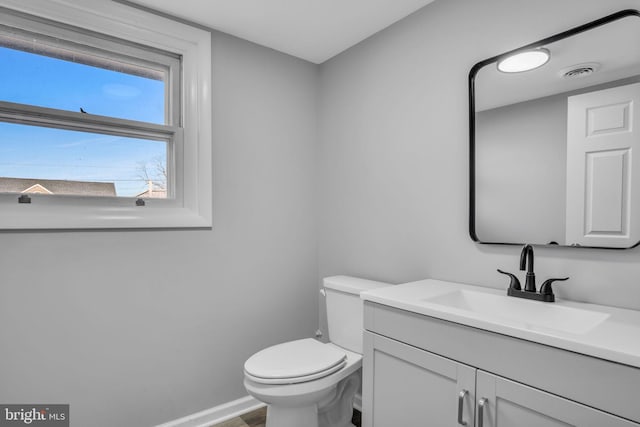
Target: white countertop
x=605 y=332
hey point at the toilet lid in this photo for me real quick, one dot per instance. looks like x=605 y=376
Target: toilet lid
x=294 y=362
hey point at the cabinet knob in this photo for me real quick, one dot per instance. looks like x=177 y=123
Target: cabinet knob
x=461 y=396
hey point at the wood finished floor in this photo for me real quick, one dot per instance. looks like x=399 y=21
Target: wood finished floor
x=258 y=418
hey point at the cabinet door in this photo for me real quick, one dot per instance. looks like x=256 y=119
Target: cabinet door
x=406 y=386
x=507 y=403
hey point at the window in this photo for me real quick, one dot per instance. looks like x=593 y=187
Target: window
x=102 y=128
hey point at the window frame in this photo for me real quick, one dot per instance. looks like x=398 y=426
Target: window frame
x=188 y=126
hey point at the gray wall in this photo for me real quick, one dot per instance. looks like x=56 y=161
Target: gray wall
x=521 y=172
x=393 y=154
x=138 y=328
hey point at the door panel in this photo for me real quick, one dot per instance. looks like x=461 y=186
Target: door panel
x=606 y=207
x=510 y=404
x=511 y=414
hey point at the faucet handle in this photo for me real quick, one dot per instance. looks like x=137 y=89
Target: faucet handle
x=546 y=289
x=515 y=283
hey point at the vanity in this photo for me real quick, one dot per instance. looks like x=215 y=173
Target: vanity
x=448 y=354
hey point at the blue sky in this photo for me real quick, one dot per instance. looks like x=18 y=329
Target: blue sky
x=38 y=152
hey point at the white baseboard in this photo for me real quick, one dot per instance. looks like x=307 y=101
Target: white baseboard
x=226 y=411
x=217 y=414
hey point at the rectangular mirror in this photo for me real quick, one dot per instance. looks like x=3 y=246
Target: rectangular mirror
x=552 y=148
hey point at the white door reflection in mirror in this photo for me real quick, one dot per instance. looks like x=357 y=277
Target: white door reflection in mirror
x=603 y=183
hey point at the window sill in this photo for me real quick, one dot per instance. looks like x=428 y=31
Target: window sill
x=94 y=214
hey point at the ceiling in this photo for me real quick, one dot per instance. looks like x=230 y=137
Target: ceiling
x=314 y=30
x=606 y=49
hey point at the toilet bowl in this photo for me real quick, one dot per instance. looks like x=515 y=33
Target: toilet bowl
x=301 y=401
x=309 y=383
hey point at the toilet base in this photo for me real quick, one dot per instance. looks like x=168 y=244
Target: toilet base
x=339 y=411
x=324 y=402
x=335 y=410
x=278 y=416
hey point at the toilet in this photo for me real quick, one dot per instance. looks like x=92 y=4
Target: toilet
x=309 y=383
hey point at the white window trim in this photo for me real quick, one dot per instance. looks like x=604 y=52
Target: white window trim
x=193 y=145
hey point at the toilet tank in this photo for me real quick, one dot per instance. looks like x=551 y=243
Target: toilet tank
x=344 y=309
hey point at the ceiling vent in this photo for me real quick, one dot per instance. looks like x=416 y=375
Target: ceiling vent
x=580 y=70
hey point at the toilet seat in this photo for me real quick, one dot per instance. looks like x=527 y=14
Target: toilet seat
x=294 y=362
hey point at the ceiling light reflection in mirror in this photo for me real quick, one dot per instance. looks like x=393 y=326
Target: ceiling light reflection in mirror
x=524 y=61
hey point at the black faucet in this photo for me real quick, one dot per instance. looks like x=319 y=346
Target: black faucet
x=530 y=292
x=530 y=279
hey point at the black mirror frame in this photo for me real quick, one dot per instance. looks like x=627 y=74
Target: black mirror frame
x=472 y=121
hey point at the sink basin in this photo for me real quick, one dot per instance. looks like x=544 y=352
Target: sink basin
x=594 y=330
x=524 y=313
